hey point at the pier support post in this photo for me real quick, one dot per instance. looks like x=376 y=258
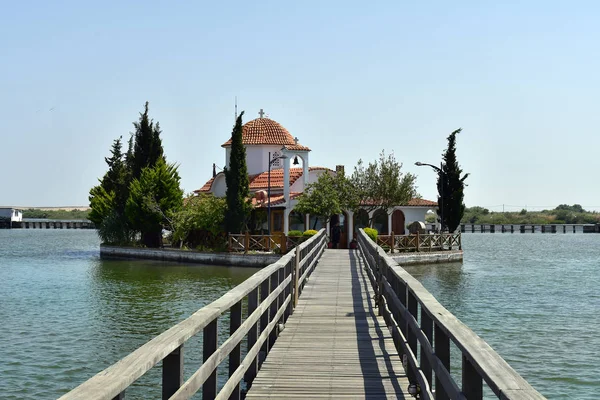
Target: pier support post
x=235 y=321
x=252 y=336
x=172 y=372
x=210 y=344
x=442 y=349
x=472 y=384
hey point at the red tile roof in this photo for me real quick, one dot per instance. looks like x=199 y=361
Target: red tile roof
x=266 y=131
x=276 y=200
x=421 y=203
x=260 y=181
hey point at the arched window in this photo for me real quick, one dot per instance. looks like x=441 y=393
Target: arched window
x=296 y=221
x=380 y=222
x=316 y=222
x=361 y=219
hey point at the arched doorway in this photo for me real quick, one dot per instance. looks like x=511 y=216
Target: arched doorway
x=380 y=222
x=342 y=219
x=398 y=222
x=296 y=222
x=361 y=219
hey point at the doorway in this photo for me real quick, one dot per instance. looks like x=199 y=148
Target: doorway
x=398 y=222
x=342 y=219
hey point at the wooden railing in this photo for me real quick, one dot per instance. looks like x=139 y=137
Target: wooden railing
x=271 y=295
x=420 y=325
x=420 y=242
x=244 y=242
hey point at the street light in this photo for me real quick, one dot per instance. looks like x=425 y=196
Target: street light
x=440 y=189
x=281 y=157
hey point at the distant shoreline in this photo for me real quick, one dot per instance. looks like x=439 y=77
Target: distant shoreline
x=65 y=208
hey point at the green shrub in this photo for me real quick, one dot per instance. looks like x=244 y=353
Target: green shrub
x=295 y=233
x=310 y=232
x=372 y=233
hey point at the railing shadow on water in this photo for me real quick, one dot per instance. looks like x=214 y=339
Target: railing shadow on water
x=270 y=294
x=422 y=331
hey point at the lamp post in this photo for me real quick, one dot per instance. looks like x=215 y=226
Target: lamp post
x=440 y=189
x=281 y=157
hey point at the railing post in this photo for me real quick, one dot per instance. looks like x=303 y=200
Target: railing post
x=235 y=320
x=283 y=244
x=418 y=241
x=393 y=241
x=296 y=275
x=172 y=372
x=273 y=309
x=246 y=242
x=252 y=336
x=289 y=271
x=472 y=384
x=281 y=297
x=459 y=241
x=442 y=351
x=264 y=318
x=411 y=338
x=427 y=328
x=210 y=339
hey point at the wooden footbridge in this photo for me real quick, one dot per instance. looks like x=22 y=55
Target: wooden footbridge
x=321 y=324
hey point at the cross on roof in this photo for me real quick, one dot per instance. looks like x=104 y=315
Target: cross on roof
x=261 y=113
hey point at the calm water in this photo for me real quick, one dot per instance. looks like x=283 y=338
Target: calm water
x=535 y=299
x=66 y=314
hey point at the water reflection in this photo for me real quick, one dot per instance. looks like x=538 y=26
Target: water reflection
x=446 y=280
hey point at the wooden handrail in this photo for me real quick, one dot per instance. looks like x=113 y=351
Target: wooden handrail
x=403 y=302
x=269 y=291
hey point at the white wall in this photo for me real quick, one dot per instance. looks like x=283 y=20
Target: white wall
x=313 y=176
x=257 y=158
x=17 y=216
x=14 y=215
x=219 y=186
x=412 y=214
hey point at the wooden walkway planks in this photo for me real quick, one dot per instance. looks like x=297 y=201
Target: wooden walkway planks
x=334 y=345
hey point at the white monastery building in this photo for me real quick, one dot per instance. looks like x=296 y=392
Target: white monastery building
x=268 y=142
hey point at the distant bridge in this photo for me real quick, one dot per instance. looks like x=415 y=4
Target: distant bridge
x=321 y=323
x=43 y=223
x=530 y=228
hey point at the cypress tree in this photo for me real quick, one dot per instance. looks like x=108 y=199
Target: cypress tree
x=147 y=144
x=451 y=187
x=236 y=178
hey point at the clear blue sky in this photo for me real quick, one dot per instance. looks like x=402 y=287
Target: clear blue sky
x=347 y=78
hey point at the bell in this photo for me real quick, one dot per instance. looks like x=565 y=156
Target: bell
x=296 y=162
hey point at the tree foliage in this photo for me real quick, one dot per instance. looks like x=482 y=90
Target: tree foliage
x=451 y=183
x=147 y=144
x=154 y=196
x=201 y=216
x=236 y=179
x=329 y=195
x=381 y=185
x=138 y=190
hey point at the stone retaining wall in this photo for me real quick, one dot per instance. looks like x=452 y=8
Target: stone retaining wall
x=428 y=258
x=233 y=259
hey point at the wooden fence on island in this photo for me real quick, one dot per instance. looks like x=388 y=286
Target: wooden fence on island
x=420 y=242
x=280 y=243
x=334 y=343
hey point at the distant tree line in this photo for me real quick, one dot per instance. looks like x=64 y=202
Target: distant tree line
x=563 y=214
x=55 y=214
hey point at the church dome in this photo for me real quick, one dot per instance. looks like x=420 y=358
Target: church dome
x=265 y=131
